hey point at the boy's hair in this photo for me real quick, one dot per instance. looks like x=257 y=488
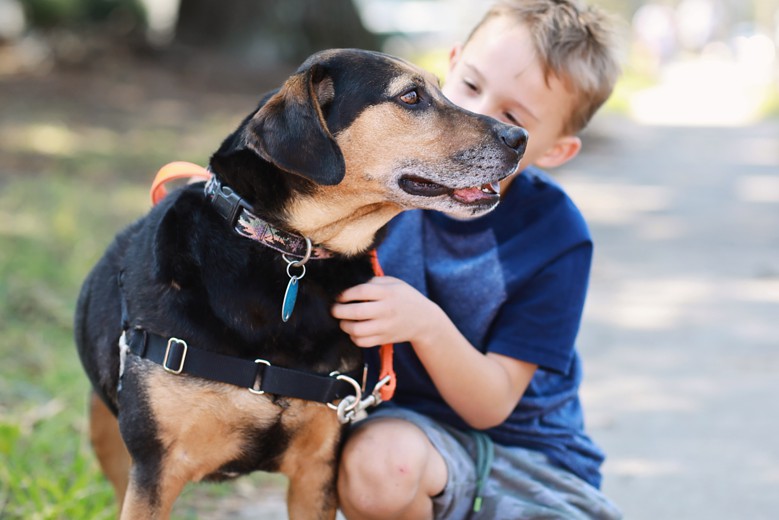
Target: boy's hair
x=575 y=43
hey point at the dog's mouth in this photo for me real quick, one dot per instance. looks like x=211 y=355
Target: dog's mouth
x=475 y=195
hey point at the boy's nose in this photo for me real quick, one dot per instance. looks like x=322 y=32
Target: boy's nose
x=515 y=137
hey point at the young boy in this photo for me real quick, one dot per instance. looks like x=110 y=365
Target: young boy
x=486 y=419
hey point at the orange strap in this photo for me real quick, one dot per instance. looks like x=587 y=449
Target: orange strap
x=385 y=351
x=173 y=171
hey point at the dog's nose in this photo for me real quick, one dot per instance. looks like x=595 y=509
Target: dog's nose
x=515 y=137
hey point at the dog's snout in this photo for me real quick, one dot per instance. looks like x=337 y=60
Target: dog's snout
x=515 y=137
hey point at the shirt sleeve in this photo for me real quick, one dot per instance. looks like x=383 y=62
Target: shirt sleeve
x=540 y=318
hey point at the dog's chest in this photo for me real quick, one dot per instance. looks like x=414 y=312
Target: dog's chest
x=218 y=430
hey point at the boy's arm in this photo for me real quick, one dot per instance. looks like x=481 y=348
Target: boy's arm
x=482 y=389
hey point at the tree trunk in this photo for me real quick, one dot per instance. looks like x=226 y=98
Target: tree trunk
x=284 y=31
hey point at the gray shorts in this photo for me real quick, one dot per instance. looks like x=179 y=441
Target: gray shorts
x=521 y=484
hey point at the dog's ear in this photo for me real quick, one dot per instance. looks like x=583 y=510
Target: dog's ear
x=290 y=129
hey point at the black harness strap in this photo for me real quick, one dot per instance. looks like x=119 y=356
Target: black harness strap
x=177 y=357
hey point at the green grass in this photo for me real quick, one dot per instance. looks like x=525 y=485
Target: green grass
x=76 y=164
x=46 y=467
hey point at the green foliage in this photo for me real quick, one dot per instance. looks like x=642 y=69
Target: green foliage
x=69 y=13
x=46 y=468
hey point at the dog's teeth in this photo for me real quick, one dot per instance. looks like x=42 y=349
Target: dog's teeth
x=492 y=188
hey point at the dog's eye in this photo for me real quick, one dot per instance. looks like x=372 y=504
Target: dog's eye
x=410 y=98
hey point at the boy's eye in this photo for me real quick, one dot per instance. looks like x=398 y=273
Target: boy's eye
x=410 y=98
x=470 y=85
x=511 y=119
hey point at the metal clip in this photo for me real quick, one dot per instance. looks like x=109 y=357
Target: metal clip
x=352 y=407
x=345 y=408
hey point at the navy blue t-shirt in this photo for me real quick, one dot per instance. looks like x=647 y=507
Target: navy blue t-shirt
x=514 y=283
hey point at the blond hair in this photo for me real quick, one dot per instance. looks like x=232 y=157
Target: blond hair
x=575 y=43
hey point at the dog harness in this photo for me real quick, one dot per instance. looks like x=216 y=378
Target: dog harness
x=259 y=376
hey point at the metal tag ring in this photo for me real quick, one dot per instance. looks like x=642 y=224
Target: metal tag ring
x=295 y=264
x=306 y=257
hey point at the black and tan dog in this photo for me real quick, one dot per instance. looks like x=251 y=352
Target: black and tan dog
x=179 y=325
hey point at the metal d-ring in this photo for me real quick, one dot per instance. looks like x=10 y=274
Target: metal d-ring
x=357 y=394
x=302 y=261
x=255 y=389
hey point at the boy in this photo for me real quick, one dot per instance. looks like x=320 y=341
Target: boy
x=486 y=419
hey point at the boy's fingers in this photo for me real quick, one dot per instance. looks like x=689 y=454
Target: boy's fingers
x=350 y=294
x=344 y=311
x=373 y=289
x=358 y=328
x=367 y=342
x=354 y=311
x=363 y=292
x=361 y=333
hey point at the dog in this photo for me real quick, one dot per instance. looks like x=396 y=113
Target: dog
x=195 y=372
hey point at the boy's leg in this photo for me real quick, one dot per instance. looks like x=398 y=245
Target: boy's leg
x=389 y=469
x=522 y=483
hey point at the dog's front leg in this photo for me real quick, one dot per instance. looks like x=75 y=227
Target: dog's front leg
x=310 y=462
x=156 y=480
x=311 y=497
x=150 y=495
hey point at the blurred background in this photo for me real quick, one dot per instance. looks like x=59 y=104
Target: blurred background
x=678 y=178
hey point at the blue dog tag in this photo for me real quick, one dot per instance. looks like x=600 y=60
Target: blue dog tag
x=290 y=297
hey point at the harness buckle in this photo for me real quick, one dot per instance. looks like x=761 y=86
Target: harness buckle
x=255 y=388
x=182 y=354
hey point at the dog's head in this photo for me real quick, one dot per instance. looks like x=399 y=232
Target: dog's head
x=372 y=135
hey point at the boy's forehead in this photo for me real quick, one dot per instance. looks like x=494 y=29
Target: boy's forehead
x=504 y=39
x=498 y=24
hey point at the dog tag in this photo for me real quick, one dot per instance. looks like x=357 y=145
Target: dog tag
x=290 y=296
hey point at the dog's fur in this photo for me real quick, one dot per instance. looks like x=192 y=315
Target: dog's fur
x=347 y=142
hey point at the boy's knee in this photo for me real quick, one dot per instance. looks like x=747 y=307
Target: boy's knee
x=382 y=469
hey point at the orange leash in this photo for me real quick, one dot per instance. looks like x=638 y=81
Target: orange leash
x=385 y=351
x=174 y=171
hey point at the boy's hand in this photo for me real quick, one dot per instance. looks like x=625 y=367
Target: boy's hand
x=482 y=389
x=383 y=310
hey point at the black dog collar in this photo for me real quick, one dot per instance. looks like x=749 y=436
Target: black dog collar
x=239 y=214
x=258 y=376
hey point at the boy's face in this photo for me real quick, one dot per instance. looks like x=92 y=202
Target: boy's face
x=497 y=74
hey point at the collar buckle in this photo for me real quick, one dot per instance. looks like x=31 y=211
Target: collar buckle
x=226 y=201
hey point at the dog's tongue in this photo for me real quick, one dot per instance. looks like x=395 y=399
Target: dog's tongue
x=474 y=194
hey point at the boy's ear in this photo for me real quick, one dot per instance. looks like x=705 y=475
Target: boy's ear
x=454 y=55
x=564 y=149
